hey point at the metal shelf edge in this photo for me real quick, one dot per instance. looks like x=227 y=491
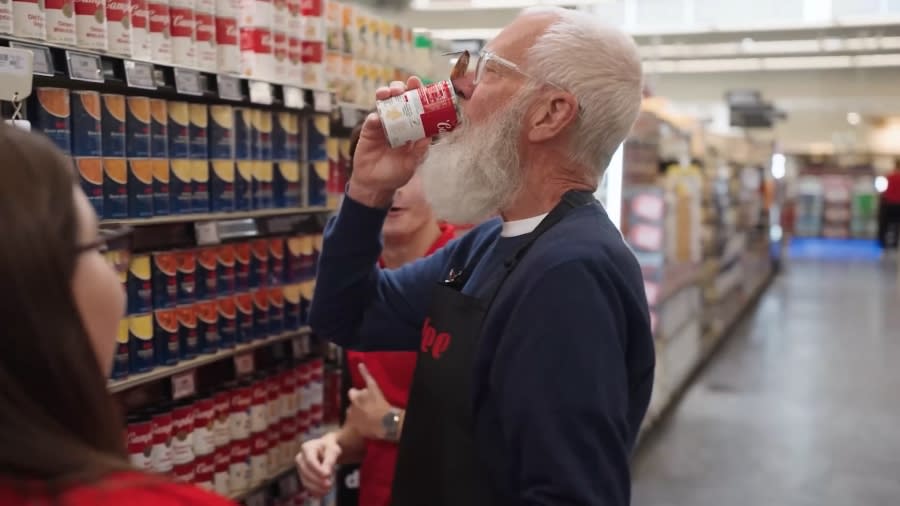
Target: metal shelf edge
x=159 y=373
x=189 y=218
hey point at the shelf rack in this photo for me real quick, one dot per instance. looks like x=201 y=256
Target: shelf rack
x=193 y=218
x=200 y=361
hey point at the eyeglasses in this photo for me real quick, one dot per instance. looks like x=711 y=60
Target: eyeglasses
x=484 y=58
x=115 y=246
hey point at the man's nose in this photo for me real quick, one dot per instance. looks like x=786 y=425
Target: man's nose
x=464 y=85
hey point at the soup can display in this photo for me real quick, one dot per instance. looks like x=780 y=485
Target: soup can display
x=140 y=442
x=419 y=113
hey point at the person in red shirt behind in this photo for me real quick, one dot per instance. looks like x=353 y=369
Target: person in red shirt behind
x=62 y=439
x=381 y=380
x=889 y=210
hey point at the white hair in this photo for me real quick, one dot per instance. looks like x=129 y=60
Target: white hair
x=601 y=66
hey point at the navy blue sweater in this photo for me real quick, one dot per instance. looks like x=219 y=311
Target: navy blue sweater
x=567 y=345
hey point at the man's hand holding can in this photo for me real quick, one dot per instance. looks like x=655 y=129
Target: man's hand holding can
x=378 y=169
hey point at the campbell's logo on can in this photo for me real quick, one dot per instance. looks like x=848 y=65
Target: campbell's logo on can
x=160 y=31
x=161 y=457
x=256 y=39
x=140 y=30
x=312 y=51
x=118 y=27
x=403 y=122
x=60 y=21
x=204 y=421
x=182 y=29
x=183 y=433
x=139 y=438
x=205 y=37
x=90 y=23
x=28 y=19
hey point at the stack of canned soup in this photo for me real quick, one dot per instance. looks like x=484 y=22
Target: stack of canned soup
x=236 y=438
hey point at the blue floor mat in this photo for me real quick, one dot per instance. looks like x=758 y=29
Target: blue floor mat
x=813 y=248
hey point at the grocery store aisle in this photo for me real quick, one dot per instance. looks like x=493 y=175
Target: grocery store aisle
x=799 y=408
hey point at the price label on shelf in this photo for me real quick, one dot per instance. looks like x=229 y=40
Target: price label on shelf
x=207 y=233
x=188 y=82
x=184 y=384
x=260 y=93
x=15 y=74
x=85 y=67
x=139 y=74
x=293 y=97
x=42 y=63
x=244 y=364
x=322 y=101
x=229 y=88
x=233 y=229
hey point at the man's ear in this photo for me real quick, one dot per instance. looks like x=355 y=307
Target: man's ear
x=555 y=113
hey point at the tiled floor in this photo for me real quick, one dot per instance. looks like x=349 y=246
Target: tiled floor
x=800 y=407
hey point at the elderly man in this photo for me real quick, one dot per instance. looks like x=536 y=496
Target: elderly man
x=535 y=356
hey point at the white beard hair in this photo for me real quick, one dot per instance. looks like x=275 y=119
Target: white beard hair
x=473 y=172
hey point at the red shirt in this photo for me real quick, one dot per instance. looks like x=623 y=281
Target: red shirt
x=393 y=371
x=892 y=194
x=125 y=488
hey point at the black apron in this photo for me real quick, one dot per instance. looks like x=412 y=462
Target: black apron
x=438 y=463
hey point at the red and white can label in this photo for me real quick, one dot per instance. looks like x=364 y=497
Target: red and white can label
x=258 y=409
x=182 y=29
x=239 y=468
x=257 y=40
x=118 y=27
x=312 y=51
x=185 y=473
x=140 y=445
x=29 y=20
x=206 y=45
x=239 y=423
x=259 y=459
x=160 y=33
x=140 y=29
x=222 y=466
x=204 y=470
x=222 y=422
x=60 y=21
x=90 y=23
x=419 y=113
x=204 y=439
x=161 y=456
x=311 y=8
x=228 y=51
x=183 y=435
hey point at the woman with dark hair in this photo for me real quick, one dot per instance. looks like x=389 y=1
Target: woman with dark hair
x=381 y=380
x=61 y=434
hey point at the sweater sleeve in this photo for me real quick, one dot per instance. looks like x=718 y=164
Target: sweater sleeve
x=564 y=391
x=358 y=305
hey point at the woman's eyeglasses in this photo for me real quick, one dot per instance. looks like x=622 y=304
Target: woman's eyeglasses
x=114 y=244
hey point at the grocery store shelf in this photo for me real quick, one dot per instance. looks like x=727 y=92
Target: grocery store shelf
x=240 y=496
x=715 y=339
x=189 y=218
x=166 y=371
x=244 y=494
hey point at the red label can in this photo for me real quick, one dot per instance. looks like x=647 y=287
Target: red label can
x=221 y=470
x=183 y=434
x=185 y=473
x=259 y=459
x=258 y=408
x=239 y=466
x=419 y=113
x=140 y=444
x=241 y=400
x=273 y=437
x=204 y=440
x=204 y=470
x=161 y=456
x=222 y=422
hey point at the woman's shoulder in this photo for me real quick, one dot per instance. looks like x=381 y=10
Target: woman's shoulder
x=128 y=488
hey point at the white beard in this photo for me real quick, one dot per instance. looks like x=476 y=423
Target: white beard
x=473 y=172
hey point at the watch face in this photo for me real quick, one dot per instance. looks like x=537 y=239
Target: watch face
x=391 y=424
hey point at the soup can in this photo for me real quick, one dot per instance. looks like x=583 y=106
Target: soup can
x=419 y=113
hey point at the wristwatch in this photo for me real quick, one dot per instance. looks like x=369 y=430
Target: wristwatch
x=391 y=424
